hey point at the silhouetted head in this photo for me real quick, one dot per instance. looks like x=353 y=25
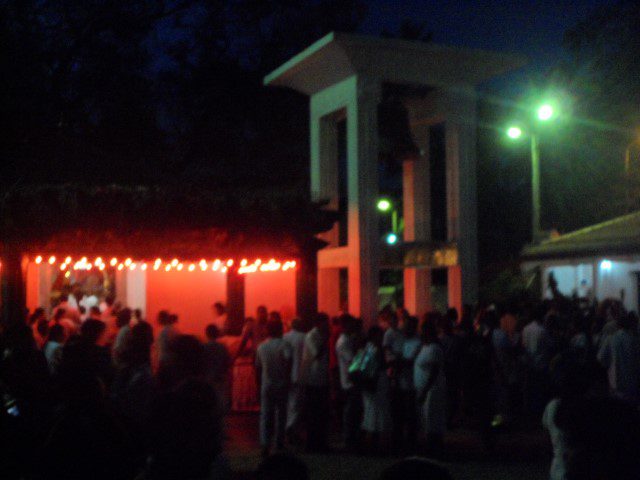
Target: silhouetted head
x=297 y=324
x=92 y=330
x=274 y=328
x=56 y=334
x=322 y=322
x=123 y=318
x=411 y=326
x=219 y=309
x=212 y=332
x=375 y=336
x=261 y=314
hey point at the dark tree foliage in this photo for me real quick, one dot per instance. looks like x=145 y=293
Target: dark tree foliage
x=602 y=79
x=150 y=92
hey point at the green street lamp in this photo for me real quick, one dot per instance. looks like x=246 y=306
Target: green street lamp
x=384 y=205
x=514 y=132
x=545 y=113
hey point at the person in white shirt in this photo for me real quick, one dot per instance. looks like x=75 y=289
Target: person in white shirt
x=53 y=347
x=346 y=348
x=295 y=340
x=314 y=377
x=273 y=366
x=431 y=389
x=532 y=335
x=620 y=355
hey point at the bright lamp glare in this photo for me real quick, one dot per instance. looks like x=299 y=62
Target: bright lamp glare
x=545 y=112
x=514 y=132
x=392 y=238
x=384 y=205
x=606 y=265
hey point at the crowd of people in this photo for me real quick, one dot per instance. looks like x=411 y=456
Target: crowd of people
x=103 y=394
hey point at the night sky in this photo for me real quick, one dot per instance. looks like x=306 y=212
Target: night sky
x=533 y=28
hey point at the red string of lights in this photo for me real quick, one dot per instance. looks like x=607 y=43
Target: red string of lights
x=217 y=265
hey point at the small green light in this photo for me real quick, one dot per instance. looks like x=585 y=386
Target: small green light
x=545 y=112
x=514 y=132
x=392 y=238
x=384 y=205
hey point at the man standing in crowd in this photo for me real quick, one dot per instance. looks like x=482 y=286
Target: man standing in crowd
x=273 y=363
x=620 y=355
x=315 y=380
x=295 y=340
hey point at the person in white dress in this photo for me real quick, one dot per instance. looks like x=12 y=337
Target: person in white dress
x=431 y=392
x=273 y=366
x=376 y=421
x=295 y=340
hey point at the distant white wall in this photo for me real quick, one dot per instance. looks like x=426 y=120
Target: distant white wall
x=571 y=279
x=609 y=277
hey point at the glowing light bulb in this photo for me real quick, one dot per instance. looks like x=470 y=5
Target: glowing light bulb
x=120 y=267
x=52 y=260
x=63 y=266
x=143 y=267
x=98 y=261
x=67 y=274
x=67 y=260
x=192 y=267
x=113 y=262
x=133 y=266
x=38 y=259
x=229 y=263
x=243 y=262
x=127 y=262
x=174 y=262
x=180 y=267
x=167 y=268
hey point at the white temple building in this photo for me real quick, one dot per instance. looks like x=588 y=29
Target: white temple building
x=346 y=78
x=597 y=262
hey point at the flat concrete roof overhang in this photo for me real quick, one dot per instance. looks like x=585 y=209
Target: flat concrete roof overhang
x=338 y=56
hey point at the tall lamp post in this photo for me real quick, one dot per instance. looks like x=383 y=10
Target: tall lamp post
x=544 y=113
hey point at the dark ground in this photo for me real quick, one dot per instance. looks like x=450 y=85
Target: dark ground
x=522 y=454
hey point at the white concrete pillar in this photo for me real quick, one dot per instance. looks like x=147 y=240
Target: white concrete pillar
x=462 y=195
x=362 y=167
x=417 y=223
x=136 y=290
x=45 y=274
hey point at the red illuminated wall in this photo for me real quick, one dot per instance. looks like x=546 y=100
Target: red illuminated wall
x=275 y=290
x=33 y=288
x=188 y=294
